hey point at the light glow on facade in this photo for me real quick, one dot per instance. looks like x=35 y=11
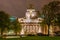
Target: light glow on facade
x=29 y=25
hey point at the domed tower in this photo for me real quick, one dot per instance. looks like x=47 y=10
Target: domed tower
x=31 y=12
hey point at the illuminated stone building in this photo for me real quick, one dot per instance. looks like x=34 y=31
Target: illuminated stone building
x=31 y=23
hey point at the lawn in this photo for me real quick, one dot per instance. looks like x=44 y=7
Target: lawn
x=34 y=38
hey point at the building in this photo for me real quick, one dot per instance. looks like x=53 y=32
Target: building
x=31 y=23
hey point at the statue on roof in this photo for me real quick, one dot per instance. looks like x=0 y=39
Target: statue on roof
x=30 y=6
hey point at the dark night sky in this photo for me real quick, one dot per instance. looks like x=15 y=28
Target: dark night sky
x=18 y=7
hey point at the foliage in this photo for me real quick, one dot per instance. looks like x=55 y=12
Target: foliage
x=57 y=20
x=4 y=21
x=15 y=26
x=50 y=10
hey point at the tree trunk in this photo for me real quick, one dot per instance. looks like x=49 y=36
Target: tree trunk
x=2 y=32
x=48 y=30
x=15 y=32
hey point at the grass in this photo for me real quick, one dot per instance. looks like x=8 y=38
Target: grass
x=34 y=38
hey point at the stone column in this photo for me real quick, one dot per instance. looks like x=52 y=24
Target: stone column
x=39 y=30
x=51 y=31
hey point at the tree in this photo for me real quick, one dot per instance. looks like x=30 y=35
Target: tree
x=57 y=20
x=50 y=10
x=4 y=21
x=17 y=26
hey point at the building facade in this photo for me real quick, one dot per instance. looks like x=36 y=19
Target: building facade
x=31 y=23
